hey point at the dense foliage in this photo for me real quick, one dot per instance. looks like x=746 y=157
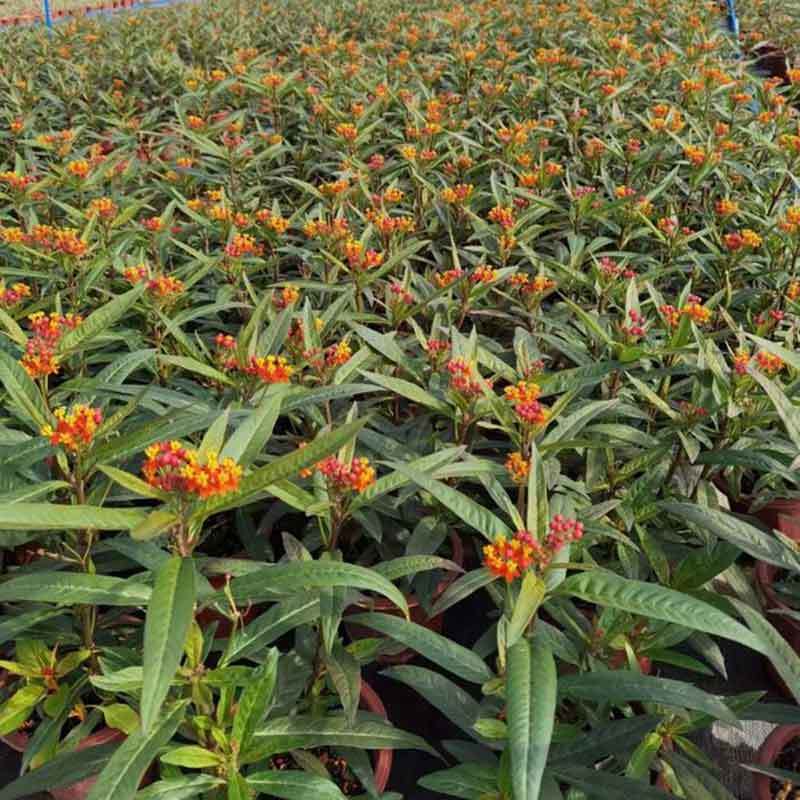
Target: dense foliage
x=320 y=320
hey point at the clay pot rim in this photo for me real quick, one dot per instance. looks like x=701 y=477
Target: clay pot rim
x=768 y=754
x=383 y=758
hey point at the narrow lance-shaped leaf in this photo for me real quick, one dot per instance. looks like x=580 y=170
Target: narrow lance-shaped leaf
x=530 y=708
x=169 y=615
x=121 y=777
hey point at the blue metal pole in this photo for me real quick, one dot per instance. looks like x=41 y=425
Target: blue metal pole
x=48 y=17
x=733 y=20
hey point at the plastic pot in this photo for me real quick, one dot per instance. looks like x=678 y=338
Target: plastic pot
x=768 y=754
x=417 y=612
x=77 y=791
x=382 y=759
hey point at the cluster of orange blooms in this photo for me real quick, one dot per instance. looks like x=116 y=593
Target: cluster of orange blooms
x=525 y=397
x=463 y=378
x=448 y=277
x=536 y=285
x=103 y=207
x=16 y=182
x=458 y=194
x=360 y=259
x=286 y=297
x=274 y=222
x=39 y=359
x=171 y=467
x=518 y=467
x=511 y=558
x=503 y=216
x=75 y=428
x=389 y=225
x=47 y=239
x=742 y=239
x=243 y=245
x=693 y=309
x=357 y=476
x=269 y=369
x=10 y=296
x=338 y=228
x=791 y=221
x=163 y=287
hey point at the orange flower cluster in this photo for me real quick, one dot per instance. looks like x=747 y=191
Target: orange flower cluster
x=47 y=239
x=269 y=369
x=537 y=285
x=357 y=476
x=510 y=559
x=390 y=225
x=275 y=222
x=359 y=259
x=243 y=245
x=39 y=359
x=483 y=274
x=742 y=239
x=769 y=363
x=524 y=395
x=79 y=169
x=338 y=354
x=448 y=277
x=347 y=131
x=793 y=291
x=693 y=308
x=16 y=182
x=458 y=194
x=337 y=229
x=12 y=296
x=518 y=467
x=791 y=221
x=103 y=207
x=74 y=429
x=726 y=208
x=503 y=216
x=171 y=467
x=462 y=378
x=286 y=297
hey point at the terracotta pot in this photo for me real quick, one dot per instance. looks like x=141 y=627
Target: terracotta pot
x=417 y=612
x=785 y=516
x=77 y=791
x=767 y=756
x=382 y=759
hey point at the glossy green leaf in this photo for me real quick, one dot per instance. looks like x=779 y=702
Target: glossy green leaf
x=530 y=707
x=169 y=615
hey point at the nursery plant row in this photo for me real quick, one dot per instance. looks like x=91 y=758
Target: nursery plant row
x=441 y=345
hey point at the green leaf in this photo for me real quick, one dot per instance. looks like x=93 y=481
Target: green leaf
x=20 y=705
x=657 y=602
x=402 y=566
x=121 y=717
x=99 y=321
x=255 y=700
x=197 y=367
x=538 y=516
x=751 y=540
x=463 y=587
x=531 y=595
x=622 y=686
x=456 y=704
x=789 y=413
x=467 y=781
x=615 y=737
x=531 y=706
x=121 y=777
x=601 y=785
x=412 y=392
x=774 y=647
x=696 y=782
x=154 y=524
x=12 y=627
x=215 y=436
x=265 y=629
x=465 y=509
x=192 y=756
x=655 y=400
x=169 y=614
x=71 y=588
x=304 y=732
x=300 y=576
x=185 y=788
x=294 y=785
x=433 y=646
x=22 y=391
x=53 y=517
x=62 y=770
x=132 y=483
x=249 y=438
